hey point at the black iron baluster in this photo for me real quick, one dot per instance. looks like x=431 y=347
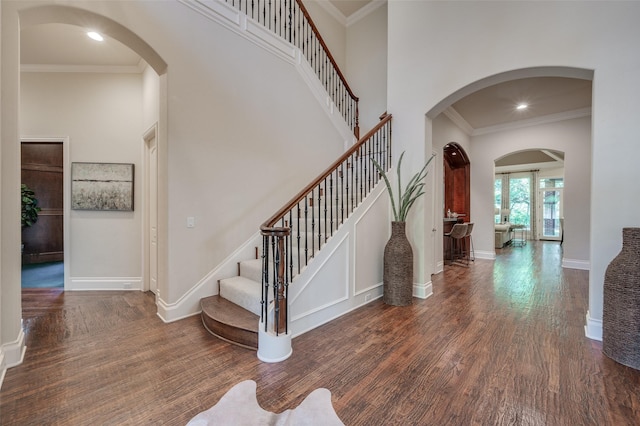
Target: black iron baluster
x=299 y=211
x=353 y=170
x=347 y=198
x=290 y=245
x=306 y=231
x=265 y=280
x=341 y=193
x=290 y=18
x=367 y=167
x=331 y=179
x=313 y=223
x=325 y=209
x=362 y=176
x=276 y=284
x=356 y=172
x=319 y=213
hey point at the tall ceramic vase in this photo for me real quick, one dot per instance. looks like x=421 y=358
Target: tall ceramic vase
x=621 y=310
x=398 y=268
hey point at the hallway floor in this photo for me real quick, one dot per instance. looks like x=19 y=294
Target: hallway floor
x=498 y=343
x=43 y=275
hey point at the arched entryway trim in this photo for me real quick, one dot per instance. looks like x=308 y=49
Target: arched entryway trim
x=567 y=72
x=83 y=18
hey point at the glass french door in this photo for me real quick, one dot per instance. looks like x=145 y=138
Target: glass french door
x=551 y=213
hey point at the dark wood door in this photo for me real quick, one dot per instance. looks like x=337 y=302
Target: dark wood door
x=42 y=171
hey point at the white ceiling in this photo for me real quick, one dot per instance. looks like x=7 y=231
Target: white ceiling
x=66 y=47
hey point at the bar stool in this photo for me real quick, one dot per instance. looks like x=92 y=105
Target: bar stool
x=458 y=232
x=471 y=254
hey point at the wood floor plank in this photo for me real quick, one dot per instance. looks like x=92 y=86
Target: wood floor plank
x=499 y=342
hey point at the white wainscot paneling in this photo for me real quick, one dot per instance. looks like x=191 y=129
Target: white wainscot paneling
x=328 y=285
x=372 y=234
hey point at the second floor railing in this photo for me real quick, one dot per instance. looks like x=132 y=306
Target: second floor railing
x=295 y=234
x=290 y=20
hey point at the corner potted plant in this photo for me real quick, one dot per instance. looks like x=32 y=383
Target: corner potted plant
x=30 y=207
x=398 y=254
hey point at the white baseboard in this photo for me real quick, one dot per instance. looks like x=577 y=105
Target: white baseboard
x=3 y=367
x=422 y=291
x=585 y=265
x=487 y=255
x=12 y=353
x=104 y=283
x=593 y=328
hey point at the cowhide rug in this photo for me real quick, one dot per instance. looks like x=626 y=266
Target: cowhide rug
x=239 y=407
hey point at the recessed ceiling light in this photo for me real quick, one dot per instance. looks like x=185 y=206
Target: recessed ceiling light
x=522 y=106
x=95 y=36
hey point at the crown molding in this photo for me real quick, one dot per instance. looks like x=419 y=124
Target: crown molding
x=333 y=11
x=355 y=17
x=458 y=120
x=363 y=12
x=99 y=69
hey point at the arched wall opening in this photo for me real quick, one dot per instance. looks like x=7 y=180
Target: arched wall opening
x=137 y=272
x=529 y=192
x=83 y=18
x=572 y=136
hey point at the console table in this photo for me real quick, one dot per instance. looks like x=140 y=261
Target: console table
x=519 y=238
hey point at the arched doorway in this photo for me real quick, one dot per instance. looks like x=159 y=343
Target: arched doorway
x=153 y=75
x=457 y=182
x=567 y=131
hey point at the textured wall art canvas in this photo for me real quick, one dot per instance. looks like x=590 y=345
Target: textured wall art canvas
x=102 y=186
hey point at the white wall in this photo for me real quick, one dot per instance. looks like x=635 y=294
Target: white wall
x=150 y=98
x=444 y=132
x=573 y=137
x=367 y=65
x=438 y=48
x=101 y=114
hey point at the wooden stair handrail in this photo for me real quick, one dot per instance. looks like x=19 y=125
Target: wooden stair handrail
x=326 y=49
x=268 y=228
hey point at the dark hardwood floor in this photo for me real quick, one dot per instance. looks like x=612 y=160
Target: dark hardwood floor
x=498 y=343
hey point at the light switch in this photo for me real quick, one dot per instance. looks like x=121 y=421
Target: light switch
x=191 y=222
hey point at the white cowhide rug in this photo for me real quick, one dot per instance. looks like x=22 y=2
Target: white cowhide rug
x=239 y=407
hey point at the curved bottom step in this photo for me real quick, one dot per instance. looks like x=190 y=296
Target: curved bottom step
x=230 y=322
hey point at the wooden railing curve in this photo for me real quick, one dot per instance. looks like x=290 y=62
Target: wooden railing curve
x=294 y=234
x=290 y=20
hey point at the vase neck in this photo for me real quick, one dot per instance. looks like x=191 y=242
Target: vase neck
x=397 y=226
x=631 y=238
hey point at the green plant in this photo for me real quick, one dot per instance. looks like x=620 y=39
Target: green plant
x=30 y=207
x=412 y=192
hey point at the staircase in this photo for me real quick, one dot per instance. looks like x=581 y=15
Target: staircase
x=234 y=313
x=295 y=234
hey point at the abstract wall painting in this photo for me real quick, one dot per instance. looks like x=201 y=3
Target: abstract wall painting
x=102 y=186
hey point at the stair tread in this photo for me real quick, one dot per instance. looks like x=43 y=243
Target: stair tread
x=224 y=311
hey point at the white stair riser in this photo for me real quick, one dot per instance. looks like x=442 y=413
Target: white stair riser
x=243 y=292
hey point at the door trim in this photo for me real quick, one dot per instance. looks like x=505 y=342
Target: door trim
x=66 y=198
x=148 y=135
